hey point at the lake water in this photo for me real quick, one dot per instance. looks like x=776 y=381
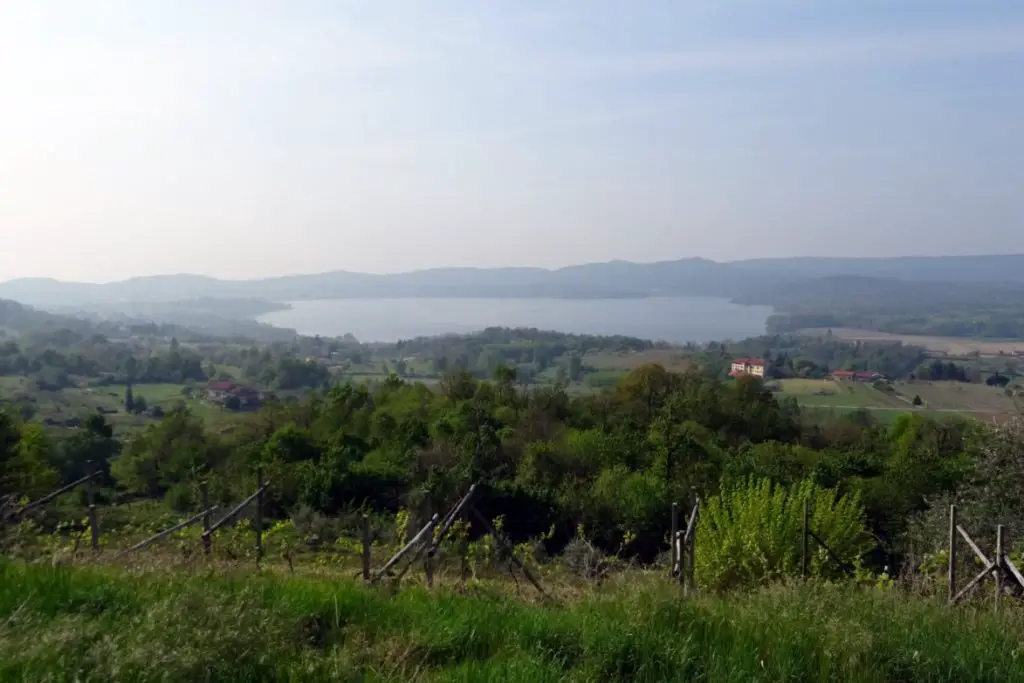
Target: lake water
x=672 y=319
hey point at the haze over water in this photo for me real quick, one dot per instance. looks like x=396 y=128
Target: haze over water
x=672 y=319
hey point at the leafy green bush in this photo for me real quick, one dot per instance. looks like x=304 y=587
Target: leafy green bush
x=751 y=533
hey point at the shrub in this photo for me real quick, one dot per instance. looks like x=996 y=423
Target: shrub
x=751 y=533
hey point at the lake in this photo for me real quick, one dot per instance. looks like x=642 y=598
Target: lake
x=672 y=319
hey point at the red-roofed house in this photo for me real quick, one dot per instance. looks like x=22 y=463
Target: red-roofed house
x=747 y=366
x=220 y=391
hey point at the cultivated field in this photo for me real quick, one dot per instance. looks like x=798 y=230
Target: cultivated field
x=937 y=397
x=955 y=346
x=961 y=397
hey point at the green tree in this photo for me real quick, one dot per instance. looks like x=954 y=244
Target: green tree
x=91 y=448
x=129 y=400
x=505 y=378
x=131 y=368
x=25 y=455
x=175 y=450
x=575 y=367
x=458 y=385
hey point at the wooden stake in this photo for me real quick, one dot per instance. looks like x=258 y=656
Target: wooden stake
x=166 y=532
x=973 y=582
x=398 y=556
x=673 y=558
x=691 y=565
x=999 y=566
x=509 y=549
x=464 y=559
x=952 y=552
x=259 y=515
x=366 y=547
x=805 y=556
x=94 y=519
x=234 y=512
x=204 y=494
x=50 y=496
x=449 y=520
x=423 y=546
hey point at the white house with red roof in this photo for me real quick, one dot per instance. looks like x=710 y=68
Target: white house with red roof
x=747 y=366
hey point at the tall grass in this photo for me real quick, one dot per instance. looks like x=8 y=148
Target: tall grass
x=92 y=624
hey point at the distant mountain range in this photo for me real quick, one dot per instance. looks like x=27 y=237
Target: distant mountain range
x=686 y=277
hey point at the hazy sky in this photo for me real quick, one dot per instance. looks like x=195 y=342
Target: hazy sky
x=246 y=138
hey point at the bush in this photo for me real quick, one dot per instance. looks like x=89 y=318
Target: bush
x=751 y=533
x=181 y=498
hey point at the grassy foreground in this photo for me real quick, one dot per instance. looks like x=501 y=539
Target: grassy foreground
x=103 y=625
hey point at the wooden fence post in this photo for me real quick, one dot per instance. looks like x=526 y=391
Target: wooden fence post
x=204 y=494
x=166 y=532
x=672 y=539
x=804 y=556
x=259 y=515
x=952 y=552
x=366 y=547
x=691 y=565
x=94 y=520
x=999 y=566
x=464 y=558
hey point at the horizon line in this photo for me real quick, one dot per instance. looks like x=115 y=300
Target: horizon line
x=763 y=259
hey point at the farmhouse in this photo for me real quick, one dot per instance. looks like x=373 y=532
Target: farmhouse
x=221 y=391
x=852 y=376
x=747 y=366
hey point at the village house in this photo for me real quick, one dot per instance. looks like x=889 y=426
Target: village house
x=747 y=366
x=221 y=391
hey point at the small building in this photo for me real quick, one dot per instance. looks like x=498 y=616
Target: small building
x=747 y=366
x=221 y=391
x=856 y=376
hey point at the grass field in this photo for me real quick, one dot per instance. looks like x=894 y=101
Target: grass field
x=671 y=359
x=829 y=394
x=955 y=346
x=958 y=396
x=938 y=397
x=61 y=624
x=80 y=402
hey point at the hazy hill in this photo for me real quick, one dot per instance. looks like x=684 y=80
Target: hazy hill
x=988 y=268
x=695 y=277
x=17 y=318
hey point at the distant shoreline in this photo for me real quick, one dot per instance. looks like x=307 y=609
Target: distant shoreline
x=673 y=319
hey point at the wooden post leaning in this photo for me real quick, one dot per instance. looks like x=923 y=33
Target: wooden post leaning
x=673 y=558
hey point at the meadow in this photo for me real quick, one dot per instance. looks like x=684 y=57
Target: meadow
x=92 y=624
x=76 y=403
x=976 y=400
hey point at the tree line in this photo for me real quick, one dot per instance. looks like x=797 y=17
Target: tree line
x=611 y=462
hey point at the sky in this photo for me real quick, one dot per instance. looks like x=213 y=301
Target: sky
x=249 y=138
